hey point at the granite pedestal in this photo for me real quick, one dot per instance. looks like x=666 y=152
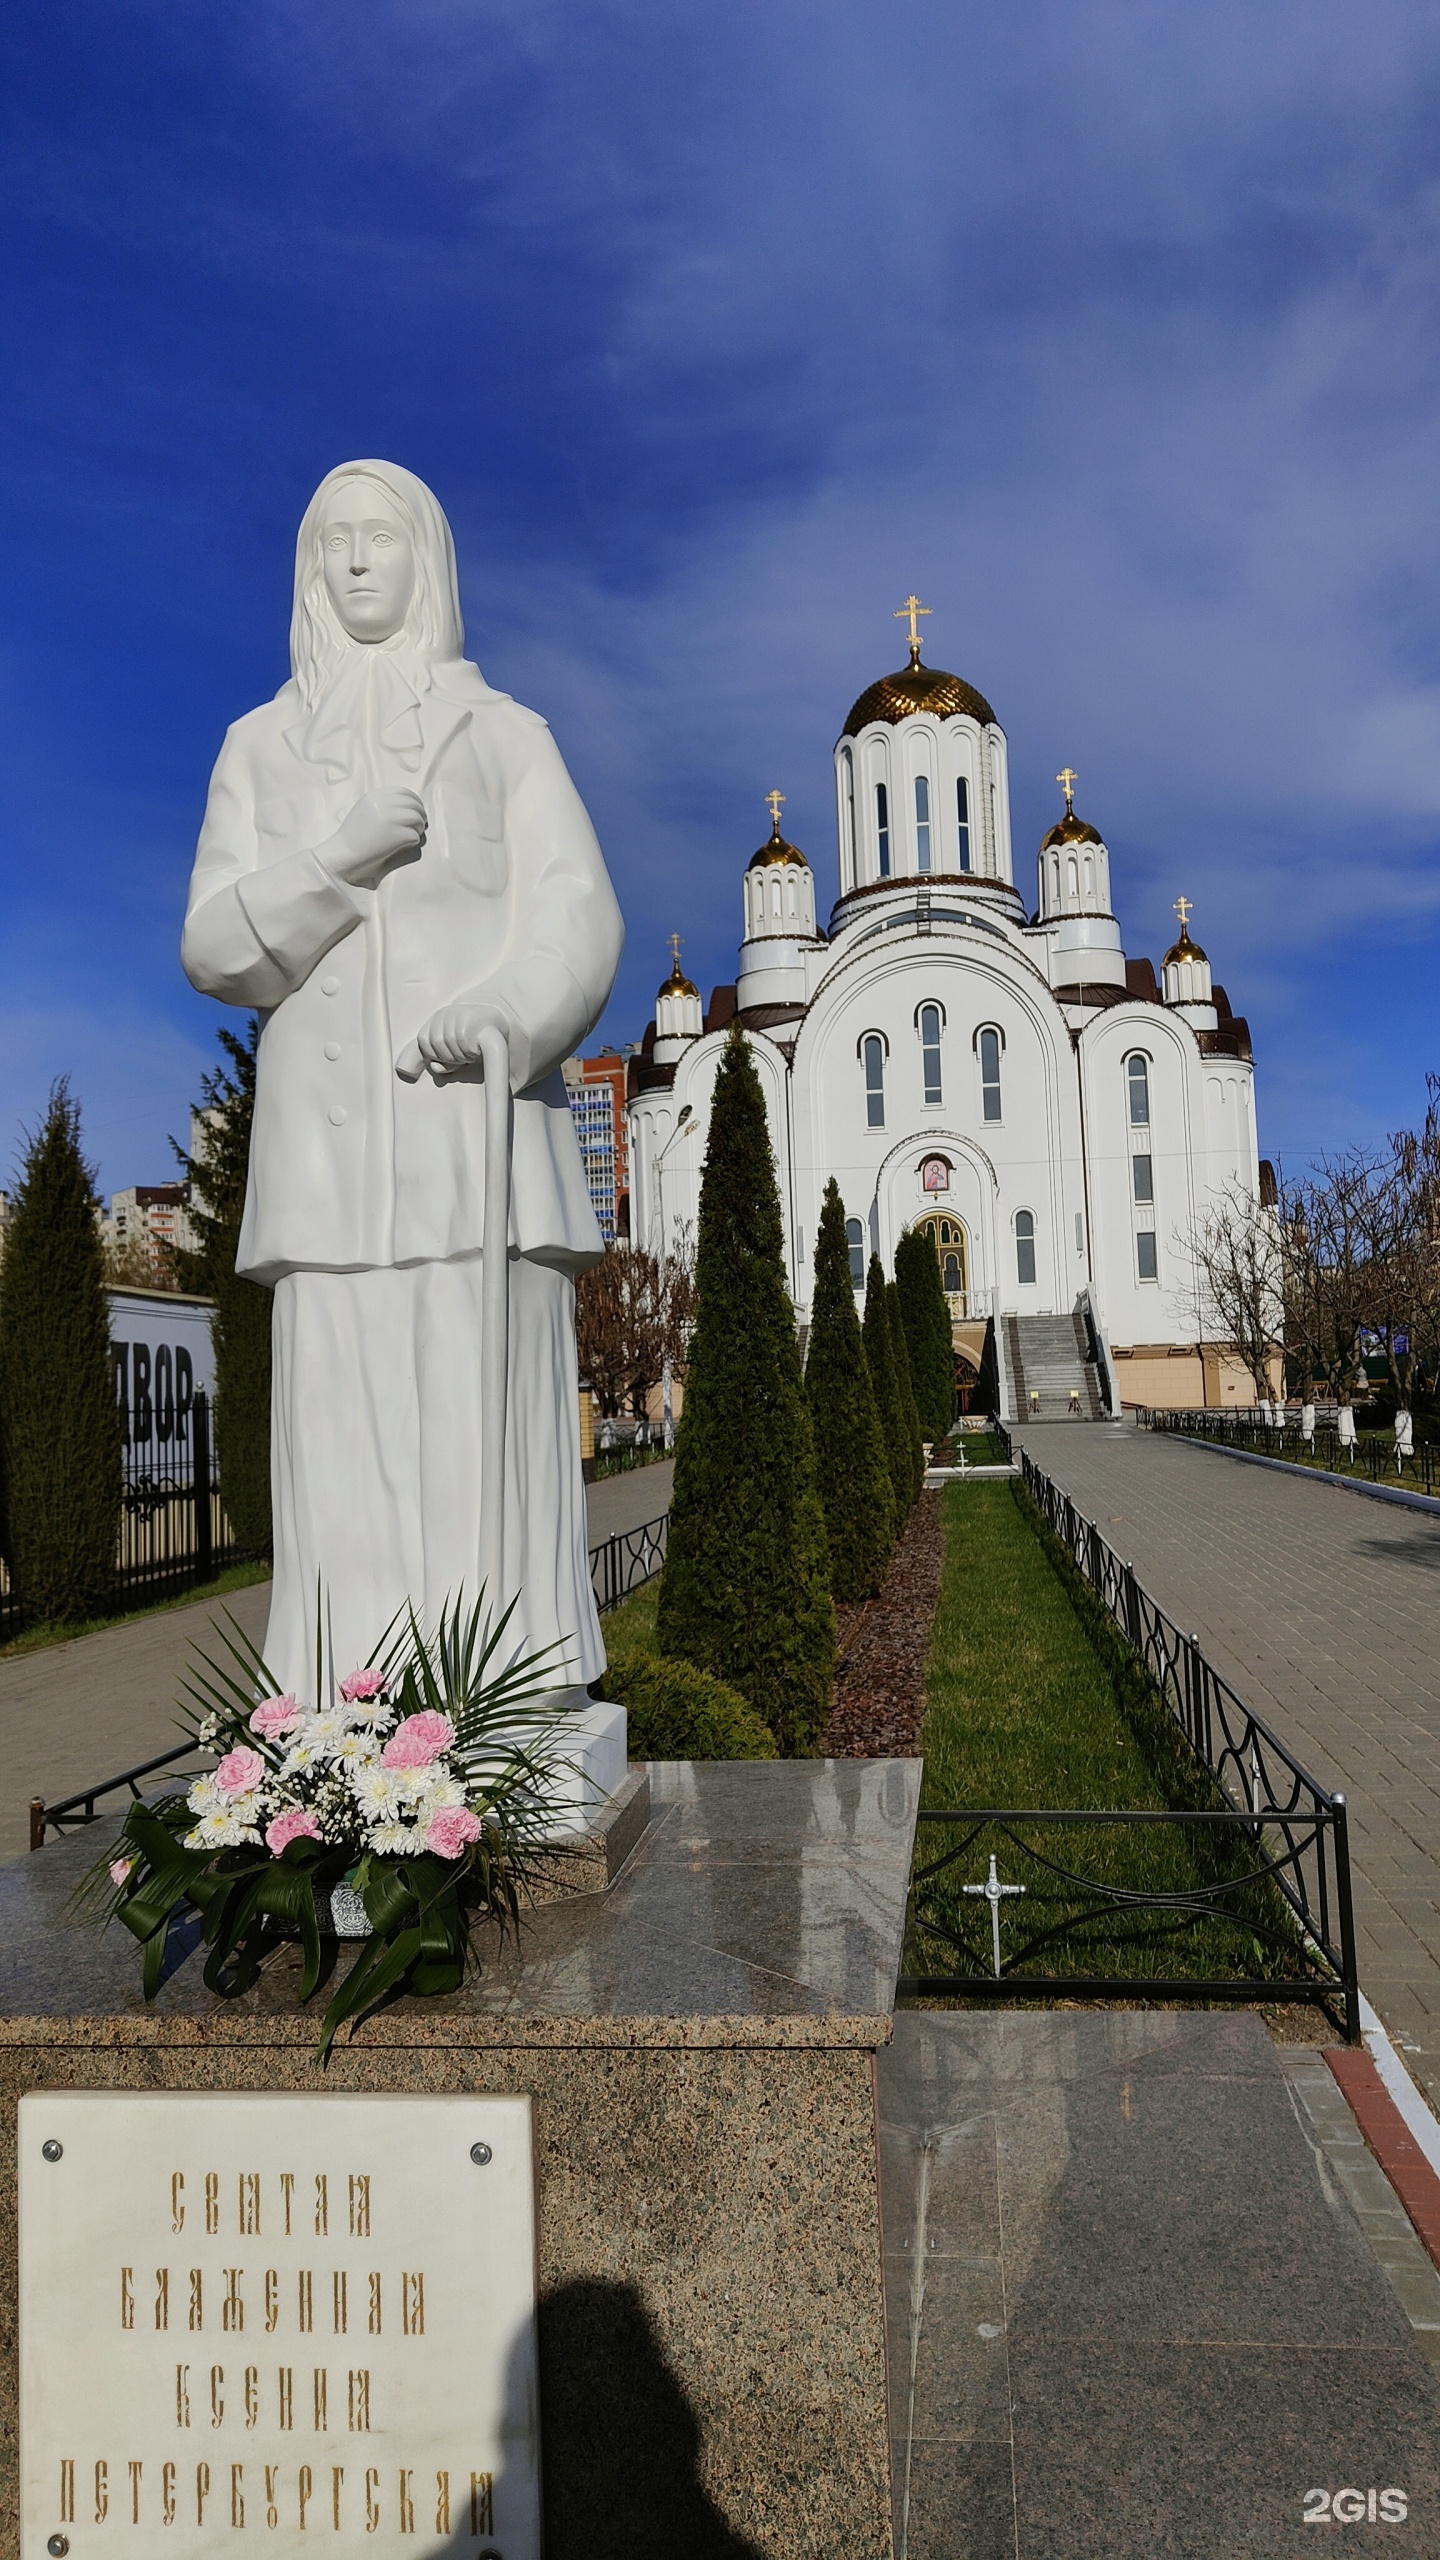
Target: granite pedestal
x=699 y=2043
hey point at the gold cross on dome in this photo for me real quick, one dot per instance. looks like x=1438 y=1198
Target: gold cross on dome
x=675 y=954
x=775 y=802
x=1067 y=779
x=912 y=608
x=1184 y=908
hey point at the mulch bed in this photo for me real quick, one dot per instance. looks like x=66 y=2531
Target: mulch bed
x=880 y=1685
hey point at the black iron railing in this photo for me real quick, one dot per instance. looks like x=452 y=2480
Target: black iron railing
x=1372 y=1455
x=173 y=1529
x=1278 y=1833
x=618 y=1566
x=622 y=1563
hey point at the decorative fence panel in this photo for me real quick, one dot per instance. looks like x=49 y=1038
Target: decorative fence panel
x=173 y=1528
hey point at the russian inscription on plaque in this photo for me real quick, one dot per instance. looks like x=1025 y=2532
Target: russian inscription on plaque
x=275 y=2321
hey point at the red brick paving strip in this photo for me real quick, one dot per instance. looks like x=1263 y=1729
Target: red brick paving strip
x=1396 y=2149
x=884 y=1646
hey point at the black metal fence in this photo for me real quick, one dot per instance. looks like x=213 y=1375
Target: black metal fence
x=1371 y=1454
x=173 y=1528
x=1280 y=1833
x=626 y=1561
x=618 y=1566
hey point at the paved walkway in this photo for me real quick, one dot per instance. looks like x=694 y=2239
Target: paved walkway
x=1146 y=2290
x=1322 y=1608
x=77 y=1712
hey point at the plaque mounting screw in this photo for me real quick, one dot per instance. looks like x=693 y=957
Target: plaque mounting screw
x=481 y=2154
x=58 y=2545
x=54 y=2151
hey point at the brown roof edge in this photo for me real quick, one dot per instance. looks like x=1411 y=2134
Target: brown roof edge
x=1140 y=980
x=722 y=1010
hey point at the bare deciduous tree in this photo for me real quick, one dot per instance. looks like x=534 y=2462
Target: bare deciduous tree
x=633 y=1311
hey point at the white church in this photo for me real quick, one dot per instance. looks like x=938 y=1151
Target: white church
x=1007 y=1081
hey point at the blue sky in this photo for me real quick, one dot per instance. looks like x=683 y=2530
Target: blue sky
x=1114 y=329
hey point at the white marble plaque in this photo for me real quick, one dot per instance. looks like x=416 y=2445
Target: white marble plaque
x=268 y=2324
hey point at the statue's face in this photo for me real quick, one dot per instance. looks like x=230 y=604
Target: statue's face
x=369 y=564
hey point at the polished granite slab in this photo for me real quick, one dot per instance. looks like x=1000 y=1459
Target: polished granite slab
x=1132 y=2309
x=762 y=1890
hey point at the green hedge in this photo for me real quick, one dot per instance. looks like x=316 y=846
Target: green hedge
x=677 y=1712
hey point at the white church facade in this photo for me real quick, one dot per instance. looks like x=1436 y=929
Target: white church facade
x=1056 y=1119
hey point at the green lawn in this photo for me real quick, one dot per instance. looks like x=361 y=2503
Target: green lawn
x=236 y=1577
x=979 y=1447
x=1033 y=1700
x=631 y=1627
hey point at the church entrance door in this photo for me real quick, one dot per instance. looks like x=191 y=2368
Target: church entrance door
x=952 y=1249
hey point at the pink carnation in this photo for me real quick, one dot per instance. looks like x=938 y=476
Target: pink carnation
x=239 y=1771
x=297 y=1824
x=416 y=1742
x=452 y=1831
x=274 y=1716
x=361 y=1686
x=120 y=1870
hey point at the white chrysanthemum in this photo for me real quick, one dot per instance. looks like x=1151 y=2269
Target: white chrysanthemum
x=380 y=1791
x=228 y=1830
x=444 y=1794
x=354 y=1748
x=204 y=1797
x=396 y=1840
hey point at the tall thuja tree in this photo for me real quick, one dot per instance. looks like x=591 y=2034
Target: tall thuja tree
x=880 y=1355
x=746 y=1590
x=910 y=1419
x=850 y=1451
x=217 y=1173
x=926 y=1319
x=60 y=1446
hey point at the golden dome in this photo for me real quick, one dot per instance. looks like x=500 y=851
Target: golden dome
x=1071 y=830
x=776 y=850
x=916 y=688
x=1184 y=949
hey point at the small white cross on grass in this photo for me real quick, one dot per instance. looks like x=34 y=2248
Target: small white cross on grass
x=994 y=1892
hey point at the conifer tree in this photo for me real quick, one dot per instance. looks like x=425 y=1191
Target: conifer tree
x=746 y=1588
x=850 y=1451
x=880 y=1354
x=241 y=1323
x=926 y=1319
x=61 y=1479
x=914 y=1438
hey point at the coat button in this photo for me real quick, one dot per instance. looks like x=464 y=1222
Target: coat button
x=332 y=1048
x=329 y=986
x=336 y=1115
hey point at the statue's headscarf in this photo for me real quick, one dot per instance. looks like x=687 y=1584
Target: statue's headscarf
x=362 y=698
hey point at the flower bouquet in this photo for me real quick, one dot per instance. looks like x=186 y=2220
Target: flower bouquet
x=416 y=1792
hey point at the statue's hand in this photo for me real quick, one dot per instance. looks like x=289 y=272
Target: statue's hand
x=450 y=1040
x=384 y=827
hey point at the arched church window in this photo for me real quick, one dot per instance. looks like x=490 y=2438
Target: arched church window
x=872 y=1052
x=1137 y=1072
x=1055 y=878
x=1072 y=870
x=1089 y=876
x=922 y=822
x=962 y=808
x=882 y=827
x=1025 y=1247
x=988 y=1045
x=847 y=764
x=855 y=1238
x=930 y=1051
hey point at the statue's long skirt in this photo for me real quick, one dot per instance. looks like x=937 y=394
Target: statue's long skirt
x=375 y=1465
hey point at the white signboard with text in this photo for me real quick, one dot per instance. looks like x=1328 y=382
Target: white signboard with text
x=252 y=2323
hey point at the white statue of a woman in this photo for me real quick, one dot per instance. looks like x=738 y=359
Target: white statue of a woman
x=393 y=861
